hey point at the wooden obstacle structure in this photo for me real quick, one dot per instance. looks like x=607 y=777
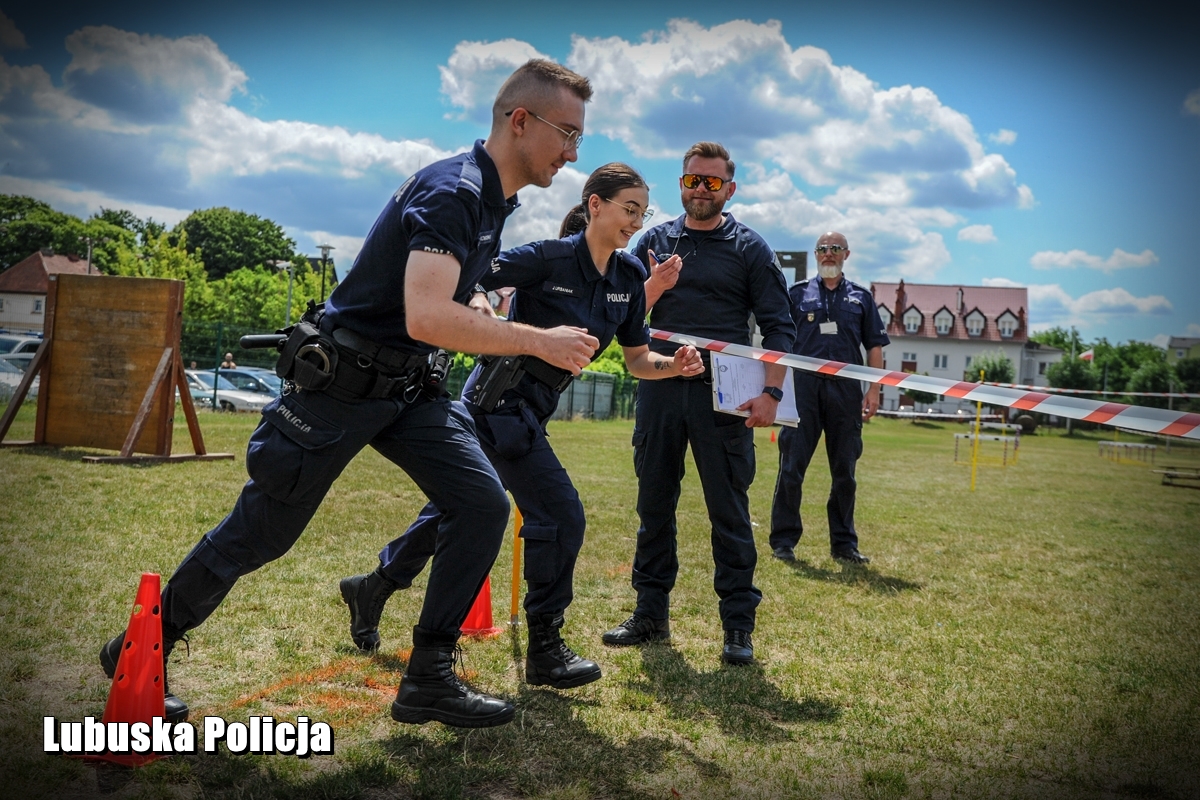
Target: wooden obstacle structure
x=1015 y=441
x=1187 y=477
x=1127 y=452
x=110 y=364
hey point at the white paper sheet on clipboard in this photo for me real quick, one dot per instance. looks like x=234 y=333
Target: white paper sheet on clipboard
x=736 y=380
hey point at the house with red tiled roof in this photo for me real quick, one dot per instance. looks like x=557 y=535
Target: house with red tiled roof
x=23 y=288
x=938 y=329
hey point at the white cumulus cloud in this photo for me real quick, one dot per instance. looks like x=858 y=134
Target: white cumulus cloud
x=980 y=234
x=1050 y=304
x=1053 y=259
x=1003 y=136
x=475 y=70
x=146 y=122
x=744 y=84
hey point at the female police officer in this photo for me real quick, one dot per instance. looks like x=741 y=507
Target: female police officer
x=582 y=280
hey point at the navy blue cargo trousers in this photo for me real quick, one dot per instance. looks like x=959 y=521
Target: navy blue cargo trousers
x=303 y=443
x=553 y=519
x=832 y=406
x=671 y=415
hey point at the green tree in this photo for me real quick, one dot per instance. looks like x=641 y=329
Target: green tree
x=1151 y=376
x=147 y=230
x=229 y=240
x=1072 y=373
x=28 y=225
x=612 y=360
x=161 y=259
x=1061 y=338
x=256 y=297
x=1187 y=370
x=997 y=368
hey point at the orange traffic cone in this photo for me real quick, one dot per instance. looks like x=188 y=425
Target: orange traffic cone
x=772 y=435
x=137 y=688
x=479 y=619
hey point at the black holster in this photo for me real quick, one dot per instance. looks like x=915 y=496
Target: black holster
x=308 y=358
x=501 y=373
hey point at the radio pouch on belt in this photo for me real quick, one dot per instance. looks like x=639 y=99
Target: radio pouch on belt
x=307 y=359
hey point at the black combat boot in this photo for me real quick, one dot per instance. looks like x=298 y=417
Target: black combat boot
x=638 y=630
x=549 y=662
x=429 y=689
x=176 y=710
x=366 y=596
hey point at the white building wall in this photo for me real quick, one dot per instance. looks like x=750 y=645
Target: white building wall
x=1025 y=363
x=19 y=314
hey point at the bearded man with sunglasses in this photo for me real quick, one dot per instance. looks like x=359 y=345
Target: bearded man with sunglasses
x=835 y=319
x=708 y=274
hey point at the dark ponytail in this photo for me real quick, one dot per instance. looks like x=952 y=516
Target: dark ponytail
x=575 y=221
x=606 y=182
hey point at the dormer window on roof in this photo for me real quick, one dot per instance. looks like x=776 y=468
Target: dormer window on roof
x=1007 y=323
x=943 y=321
x=975 y=321
x=912 y=320
x=885 y=315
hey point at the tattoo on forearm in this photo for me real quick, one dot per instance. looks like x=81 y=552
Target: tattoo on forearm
x=663 y=365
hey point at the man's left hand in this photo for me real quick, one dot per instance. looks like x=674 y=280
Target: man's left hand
x=762 y=411
x=870 y=402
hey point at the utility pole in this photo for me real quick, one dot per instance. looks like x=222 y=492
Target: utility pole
x=324 y=248
x=291 y=271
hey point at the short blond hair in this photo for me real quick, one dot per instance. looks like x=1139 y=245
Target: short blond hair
x=537 y=83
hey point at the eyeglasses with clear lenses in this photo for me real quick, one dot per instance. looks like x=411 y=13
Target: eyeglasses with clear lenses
x=711 y=182
x=829 y=248
x=633 y=211
x=574 y=138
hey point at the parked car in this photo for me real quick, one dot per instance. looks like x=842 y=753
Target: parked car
x=19 y=360
x=254 y=379
x=10 y=378
x=229 y=397
x=16 y=343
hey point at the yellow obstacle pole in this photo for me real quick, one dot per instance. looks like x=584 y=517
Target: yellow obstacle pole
x=975 y=443
x=514 y=617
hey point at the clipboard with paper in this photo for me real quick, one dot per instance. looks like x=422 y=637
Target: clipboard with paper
x=736 y=380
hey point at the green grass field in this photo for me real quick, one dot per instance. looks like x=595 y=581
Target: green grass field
x=1039 y=637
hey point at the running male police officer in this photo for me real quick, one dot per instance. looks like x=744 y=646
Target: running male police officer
x=709 y=273
x=405 y=297
x=835 y=319
x=584 y=278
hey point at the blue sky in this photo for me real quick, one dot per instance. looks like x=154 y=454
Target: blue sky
x=1055 y=147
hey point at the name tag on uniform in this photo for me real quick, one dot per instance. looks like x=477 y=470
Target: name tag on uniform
x=569 y=291
x=829 y=327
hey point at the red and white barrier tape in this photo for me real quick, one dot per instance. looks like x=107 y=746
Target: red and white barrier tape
x=1138 y=418
x=1056 y=390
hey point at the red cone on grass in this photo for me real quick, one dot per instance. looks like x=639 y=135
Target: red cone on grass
x=479 y=619
x=137 y=693
x=772 y=435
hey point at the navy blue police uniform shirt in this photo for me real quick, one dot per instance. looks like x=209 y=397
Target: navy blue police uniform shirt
x=727 y=273
x=850 y=306
x=454 y=207
x=558 y=284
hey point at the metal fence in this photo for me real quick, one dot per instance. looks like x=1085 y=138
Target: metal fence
x=206 y=343
x=593 y=395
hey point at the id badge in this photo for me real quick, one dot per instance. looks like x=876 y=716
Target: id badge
x=829 y=327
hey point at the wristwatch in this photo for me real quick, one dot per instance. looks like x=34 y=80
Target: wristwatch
x=776 y=394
